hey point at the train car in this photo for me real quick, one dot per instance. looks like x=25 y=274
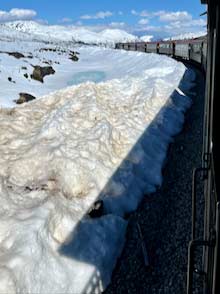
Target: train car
x=142 y=46
x=196 y=50
x=182 y=49
x=133 y=47
x=166 y=48
x=204 y=54
x=152 y=47
x=127 y=46
x=203 y=51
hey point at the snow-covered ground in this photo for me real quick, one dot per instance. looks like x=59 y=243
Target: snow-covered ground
x=94 y=64
x=104 y=139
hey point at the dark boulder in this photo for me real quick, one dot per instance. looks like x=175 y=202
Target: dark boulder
x=97 y=209
x=16 y=54
x=40 y=72
x=24 y=97
x=10 y=80
x=73 y=56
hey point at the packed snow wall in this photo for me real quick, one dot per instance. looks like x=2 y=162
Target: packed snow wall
x=62 y=152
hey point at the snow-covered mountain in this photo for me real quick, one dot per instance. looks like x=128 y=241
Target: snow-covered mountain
x=55 y=33
x=187 y=36
x=146 y=38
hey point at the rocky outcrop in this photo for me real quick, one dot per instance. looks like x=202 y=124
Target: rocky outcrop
x=17 y=55
x=24 y=97
x=40 y=72
x=73 y=56
x=10 y=80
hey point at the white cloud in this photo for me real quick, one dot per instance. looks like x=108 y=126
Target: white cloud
x=79 y=23
x=117 y=24
x=98 y=15
x=134 y=12
x=142 y=13
x=143 y=21
x=17 y=14
x=168 y=23
x=66 y=20
x=174 y=16
x=42 y=21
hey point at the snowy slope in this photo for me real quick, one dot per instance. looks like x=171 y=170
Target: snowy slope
x=62 y=152
x=56 y=33
x=187 y=36
x=114 y=65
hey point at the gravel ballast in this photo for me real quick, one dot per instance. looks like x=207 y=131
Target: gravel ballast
x=165 y=216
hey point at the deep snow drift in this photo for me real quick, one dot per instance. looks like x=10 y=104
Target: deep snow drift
x=62 y=152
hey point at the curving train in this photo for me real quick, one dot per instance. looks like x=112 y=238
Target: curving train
x=203 y=51
x=194 y=50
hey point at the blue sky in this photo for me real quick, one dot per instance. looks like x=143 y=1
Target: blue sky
x=142 y=17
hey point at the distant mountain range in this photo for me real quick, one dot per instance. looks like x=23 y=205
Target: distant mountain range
x=30 y=30
x=187 y=36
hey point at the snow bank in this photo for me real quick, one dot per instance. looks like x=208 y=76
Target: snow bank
x=64 y=151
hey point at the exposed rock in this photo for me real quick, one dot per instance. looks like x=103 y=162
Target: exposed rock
x=97 y=209
x=24 y=97
x=40 y=72
x=47 y=62
x=16 y=54
x=10 y=80
x=24 y=67
x=48 y=49
x=26 y=75
x=73 y=56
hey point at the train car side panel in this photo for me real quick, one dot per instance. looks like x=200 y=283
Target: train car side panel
x=182 y=50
